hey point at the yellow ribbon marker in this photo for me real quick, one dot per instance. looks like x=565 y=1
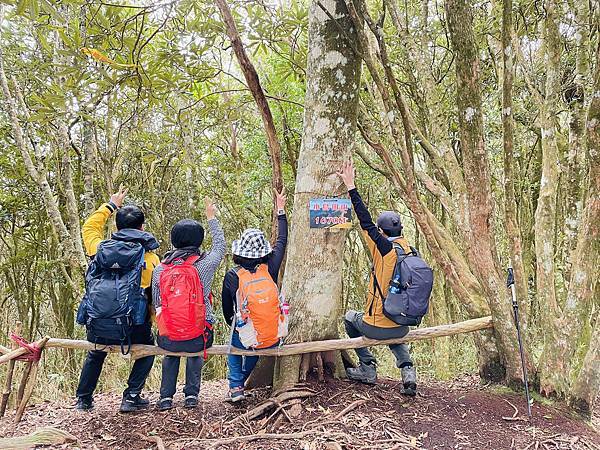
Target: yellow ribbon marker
x=99 y=56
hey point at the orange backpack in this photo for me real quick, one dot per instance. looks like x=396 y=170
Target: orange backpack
x=258 y=303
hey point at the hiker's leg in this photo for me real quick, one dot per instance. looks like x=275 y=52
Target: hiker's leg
x=235 y=365
x=170 y=370
x=234 y=371
x=139 y=372
x=402 y=354
x=353 y=322
x=248 y=366
x=193 y=375
x=141 y=334
x=90 y=373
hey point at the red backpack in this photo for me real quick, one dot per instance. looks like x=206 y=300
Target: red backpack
x=183 y=312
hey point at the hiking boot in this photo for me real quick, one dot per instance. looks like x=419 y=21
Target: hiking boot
x=409 y=380
x=84 y=404
x=191 y=401
x=164 y=404
x=365 y=373
x=133 y=403
x=235 y=395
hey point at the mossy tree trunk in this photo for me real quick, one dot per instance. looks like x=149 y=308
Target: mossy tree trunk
x=313 y=279
x=481 y=248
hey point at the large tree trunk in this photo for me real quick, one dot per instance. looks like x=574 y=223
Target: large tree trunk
x=586 y=388
x=553 y=366
x=582 y=297
x=313 y=279
x=481 y=246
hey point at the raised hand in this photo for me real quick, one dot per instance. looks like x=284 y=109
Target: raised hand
x=280 y=199
x=347 y=174
x=210 y=207
x=118 y=197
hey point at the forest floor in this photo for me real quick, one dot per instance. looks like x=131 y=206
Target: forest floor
x=335 y=415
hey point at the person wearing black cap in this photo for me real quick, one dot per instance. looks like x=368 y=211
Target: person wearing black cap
x=130 y=228
x=186 y=237
x=373 y=323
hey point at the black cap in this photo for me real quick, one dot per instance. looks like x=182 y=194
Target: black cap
x=187 y=233
x=389 y=222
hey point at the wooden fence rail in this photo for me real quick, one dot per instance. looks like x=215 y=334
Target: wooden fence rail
x=139 y=351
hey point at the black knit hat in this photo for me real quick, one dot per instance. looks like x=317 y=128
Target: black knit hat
x=187 y=233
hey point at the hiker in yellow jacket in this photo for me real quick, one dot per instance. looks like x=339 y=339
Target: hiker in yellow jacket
x=99 y=323
x=373 y=323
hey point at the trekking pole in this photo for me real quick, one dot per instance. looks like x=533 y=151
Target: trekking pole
x=510 y=282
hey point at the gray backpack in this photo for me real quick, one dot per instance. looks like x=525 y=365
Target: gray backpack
x=410 y=288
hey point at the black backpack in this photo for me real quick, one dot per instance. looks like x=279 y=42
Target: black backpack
x=114 y=300
x=410 y=288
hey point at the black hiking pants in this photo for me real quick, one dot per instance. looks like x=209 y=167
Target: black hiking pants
x=92 y=367
x=193 y=365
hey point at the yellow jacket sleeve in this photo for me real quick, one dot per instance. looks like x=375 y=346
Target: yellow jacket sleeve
x=152 y=260
x=93 y=228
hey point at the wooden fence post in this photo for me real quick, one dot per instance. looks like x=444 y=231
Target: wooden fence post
x=29 y=382
x=9 y=374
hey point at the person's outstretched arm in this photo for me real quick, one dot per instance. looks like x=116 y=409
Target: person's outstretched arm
x=217 y=251
x=282 y=234
x=364 y=217
x=92 y=230
x=228 y=293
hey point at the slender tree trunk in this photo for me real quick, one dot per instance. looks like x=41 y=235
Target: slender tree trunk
x=256 y=89
x=313 y=279
x=69 y=250
x=87 y=166
x=510 y=203
x=482 y=248
x=575 y=162
x=553 y=366
x=71 y=206
x=88 y=139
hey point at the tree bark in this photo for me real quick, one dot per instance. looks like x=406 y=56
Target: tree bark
x=482 y=246
x=553 y=366
x=586 y=388
x=313 y=279
x=575 y=95
x=584 y=278
x=510 y=203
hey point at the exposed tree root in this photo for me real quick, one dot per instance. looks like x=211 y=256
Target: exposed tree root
x=273 y=402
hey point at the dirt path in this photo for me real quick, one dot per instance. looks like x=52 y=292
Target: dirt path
x=341 y=415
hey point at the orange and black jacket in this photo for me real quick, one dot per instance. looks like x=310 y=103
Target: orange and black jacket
x=384 y=261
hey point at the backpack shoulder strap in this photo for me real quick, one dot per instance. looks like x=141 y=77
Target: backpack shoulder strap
x=191 y=260
x=401 y=252
x=263 y=269
x=376 y=283
x=142 y=258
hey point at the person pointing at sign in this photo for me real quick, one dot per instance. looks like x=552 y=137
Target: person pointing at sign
x=372 y=323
